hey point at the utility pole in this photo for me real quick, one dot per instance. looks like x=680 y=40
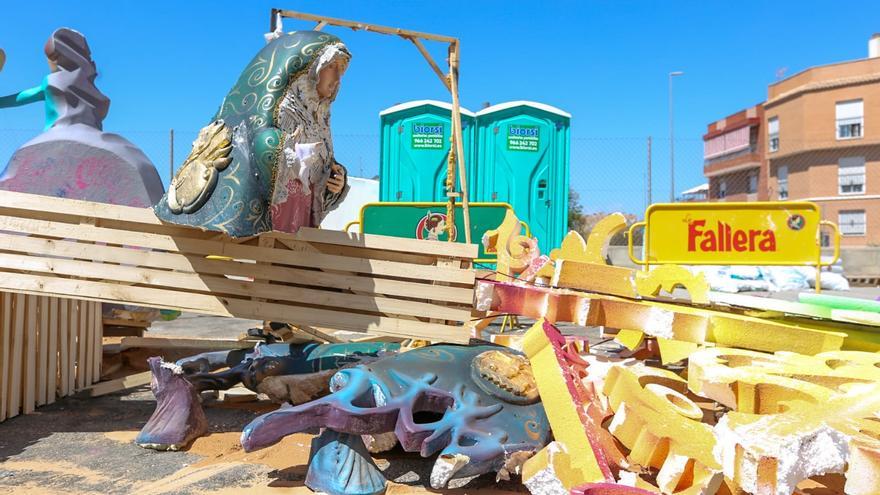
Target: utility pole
x=171 y=156
x=649 y=198
x=672 y=141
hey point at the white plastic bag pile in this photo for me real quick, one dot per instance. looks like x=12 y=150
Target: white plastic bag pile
x=768 y=278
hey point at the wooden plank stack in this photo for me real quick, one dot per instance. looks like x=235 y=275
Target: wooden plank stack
x=49 y=348
x=100 y=252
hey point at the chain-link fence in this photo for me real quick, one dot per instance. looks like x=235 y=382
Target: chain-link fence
x=628 y=174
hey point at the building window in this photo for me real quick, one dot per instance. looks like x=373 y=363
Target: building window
x=852 y=222
x=782 y=182
x=773 y=134
x=850 y=119
x=753 y=182
x=851 y=175
x=722 y=188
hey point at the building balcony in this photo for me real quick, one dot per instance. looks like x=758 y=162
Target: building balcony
x=743 y=159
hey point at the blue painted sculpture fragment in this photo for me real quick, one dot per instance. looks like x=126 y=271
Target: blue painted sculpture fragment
x=477 y=406
x=339 y=464
x=293 y=373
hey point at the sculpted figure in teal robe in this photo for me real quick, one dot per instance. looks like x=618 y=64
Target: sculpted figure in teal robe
x=265 y=161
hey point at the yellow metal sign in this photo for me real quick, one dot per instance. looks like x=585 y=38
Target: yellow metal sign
x=754 y=233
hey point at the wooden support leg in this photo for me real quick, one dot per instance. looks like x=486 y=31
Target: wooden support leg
x=54 y=336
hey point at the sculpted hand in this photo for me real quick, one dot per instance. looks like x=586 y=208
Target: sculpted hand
x=336 y=182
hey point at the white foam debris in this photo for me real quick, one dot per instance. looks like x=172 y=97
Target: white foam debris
x=619 y=418
x=801 y=455
x=545 y=481
x=174 y=367
x=380 y=442
x=483 y=296
x=627 y=478
x=445 y=468
x=659 y=323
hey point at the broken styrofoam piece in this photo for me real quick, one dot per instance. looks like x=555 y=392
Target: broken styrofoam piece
x=380 y=442
x=549 y=471
x=531 y=301
x=580 y=456
x=662 y=428
x=763 y=463
x=445 y=468
x=795 y=416
x=757 y=382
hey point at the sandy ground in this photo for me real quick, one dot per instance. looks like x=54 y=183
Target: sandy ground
x=85 y=446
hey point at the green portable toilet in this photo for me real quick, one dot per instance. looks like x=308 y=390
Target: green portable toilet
x=414 y=150
x=523 y=157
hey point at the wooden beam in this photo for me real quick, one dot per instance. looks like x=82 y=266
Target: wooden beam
x=360 y=26
x=97 y=340
x=30 y=372
x=43 y=350
x=63 y=342
x=98 y=252
x=177 y=343
x=320 y=333
x=83 y=366
x=218 y=248
x=16 y=357
x=143 y=220
x=459 y=140
x=119 y=384
x=176 y=281
x=117 y=322
x=431 y=62
x=54 y=340
x=320 y=26
x=199 y=264
x=5 y=350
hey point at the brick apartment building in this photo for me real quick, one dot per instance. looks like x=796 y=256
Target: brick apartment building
x=733 y=155
x=816 y=138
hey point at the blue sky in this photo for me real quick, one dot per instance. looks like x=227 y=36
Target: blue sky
x=168 y=65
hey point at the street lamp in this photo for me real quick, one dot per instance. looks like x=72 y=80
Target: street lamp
x=672 y=141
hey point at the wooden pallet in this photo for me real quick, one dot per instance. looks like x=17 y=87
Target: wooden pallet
x=49 y=348
x=864 y=281
x=367 y=283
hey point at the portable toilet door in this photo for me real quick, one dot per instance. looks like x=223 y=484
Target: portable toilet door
x=414 y=150
x=523 y=159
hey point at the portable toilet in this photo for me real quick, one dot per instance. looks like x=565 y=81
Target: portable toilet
x=523 y=157
x=415 y=148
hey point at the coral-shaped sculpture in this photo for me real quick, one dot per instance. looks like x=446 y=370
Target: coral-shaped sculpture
x=293 y=373
x=178 y=419
x=442 y=399
x=339 y=464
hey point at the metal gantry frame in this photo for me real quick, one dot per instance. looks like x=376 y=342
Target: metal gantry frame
x=449 y=80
